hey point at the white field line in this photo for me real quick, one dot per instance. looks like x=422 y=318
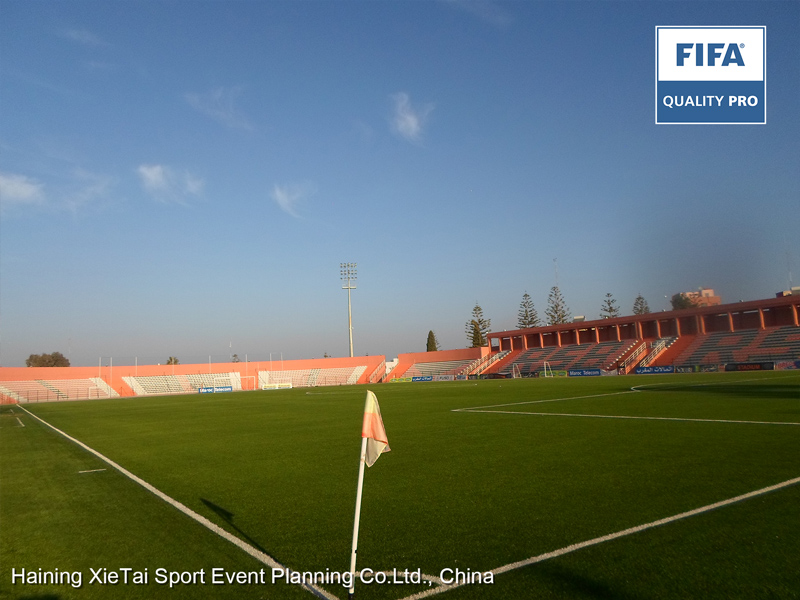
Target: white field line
x=633 y=390
x=92 y=471
x=21 y=424
x=544 y=414
x=476 y=408
x=613 y=536
x=638 y=388
x=254 y=552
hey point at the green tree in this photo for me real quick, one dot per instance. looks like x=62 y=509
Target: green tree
x=54 y=359
x=433 y=343
x=475 y=336
x=477 y=328
x=609 y=310
x=640 y=306
x=557 y=311
x=235 y=358
x=527 y=315
x=172 y=360
x=681 y=301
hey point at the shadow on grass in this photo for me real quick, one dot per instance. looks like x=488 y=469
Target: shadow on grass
x=580 y=586
x=41 y=597
x=227 y=516
x=775 y=391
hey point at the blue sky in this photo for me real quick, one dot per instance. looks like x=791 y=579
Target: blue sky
x=184 y=178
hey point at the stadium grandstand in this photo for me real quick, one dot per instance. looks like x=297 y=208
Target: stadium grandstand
x=711 y=336
x=755 y=334
x=47 y=384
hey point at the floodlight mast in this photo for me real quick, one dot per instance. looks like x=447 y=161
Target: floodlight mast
x=348 y=276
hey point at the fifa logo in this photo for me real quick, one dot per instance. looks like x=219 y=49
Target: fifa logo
x=732 y=54
x=711 y=75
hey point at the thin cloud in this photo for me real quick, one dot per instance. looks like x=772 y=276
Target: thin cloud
x=74 y=191
x=484 y=10
x=220 y=105
x=69 y=92
x=193 y=185
x=165 y=184
x=19 y=190
x=100 y=66
x=89 y=189
x=289 y=197
x=407 y=121
x=154 y=178
x=85 y=37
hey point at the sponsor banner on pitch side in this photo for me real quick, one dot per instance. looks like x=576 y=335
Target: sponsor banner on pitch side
x=584 y=372
x=654 y=370
x=761 y=366
x=711 y=75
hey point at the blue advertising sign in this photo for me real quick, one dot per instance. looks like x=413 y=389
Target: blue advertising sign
x=426 y=378
x=711 y=75
x=211 y=390
x=584 y=372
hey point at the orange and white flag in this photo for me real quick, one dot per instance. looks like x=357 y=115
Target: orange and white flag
x=373 y=430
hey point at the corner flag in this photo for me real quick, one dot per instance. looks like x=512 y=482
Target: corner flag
x=373 y=443
x=373 y=430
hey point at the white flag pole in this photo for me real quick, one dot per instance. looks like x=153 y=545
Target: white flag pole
x=351 y=591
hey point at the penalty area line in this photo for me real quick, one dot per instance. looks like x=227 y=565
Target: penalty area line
x=613 y=536
x=644 y=387
x=477 y=408
x=652 y=524
x=545 y=414
x=260 y=556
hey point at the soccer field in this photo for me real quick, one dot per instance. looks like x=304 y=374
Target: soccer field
x=677 y=486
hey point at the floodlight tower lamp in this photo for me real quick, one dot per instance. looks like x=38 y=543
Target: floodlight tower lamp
x=348 y=273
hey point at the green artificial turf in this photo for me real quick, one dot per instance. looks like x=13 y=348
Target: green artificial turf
x=460 y=489
x=60 y=512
